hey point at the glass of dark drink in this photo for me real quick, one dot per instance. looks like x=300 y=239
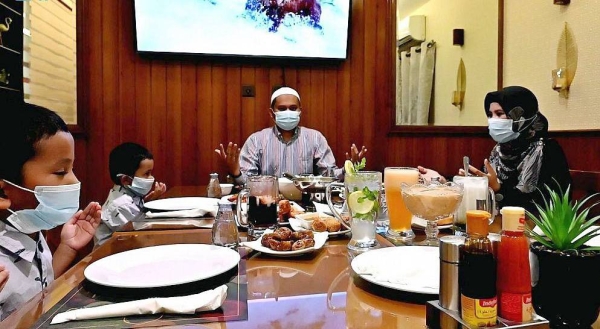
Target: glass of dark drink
x=262 y=196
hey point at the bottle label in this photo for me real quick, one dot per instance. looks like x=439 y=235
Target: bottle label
x=516 y=307
x=479 y=312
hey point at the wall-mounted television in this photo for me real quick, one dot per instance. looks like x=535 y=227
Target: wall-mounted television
x=250 y=28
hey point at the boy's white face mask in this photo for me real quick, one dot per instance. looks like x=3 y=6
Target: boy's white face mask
x=57 y=205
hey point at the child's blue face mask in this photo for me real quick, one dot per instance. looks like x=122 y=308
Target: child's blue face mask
x=57 y=205
x=140 y=186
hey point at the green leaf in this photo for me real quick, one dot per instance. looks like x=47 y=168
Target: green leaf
x=563 y=222
x=360 y=165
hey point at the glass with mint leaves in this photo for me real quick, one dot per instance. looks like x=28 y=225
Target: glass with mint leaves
x=363 y=197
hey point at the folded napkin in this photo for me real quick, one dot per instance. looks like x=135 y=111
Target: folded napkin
x=190 y=213
x=156 y=224
x=206 y=301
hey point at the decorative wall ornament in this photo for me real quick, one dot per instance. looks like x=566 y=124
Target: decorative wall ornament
x=566 y=62
x=458 y=96
x=5 y=27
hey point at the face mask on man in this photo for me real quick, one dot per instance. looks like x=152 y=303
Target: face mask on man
x=141 y=186
x=501 y=130
x=287 y=120
x=57 y=205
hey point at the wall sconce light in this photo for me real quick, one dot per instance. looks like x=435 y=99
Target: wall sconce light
x=566 y=62
x=562 y=2
x=458 y=96
x=458 y=37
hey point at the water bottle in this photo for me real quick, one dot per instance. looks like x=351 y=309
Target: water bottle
x=224 y=230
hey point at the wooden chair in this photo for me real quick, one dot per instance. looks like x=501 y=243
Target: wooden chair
x=586 y=183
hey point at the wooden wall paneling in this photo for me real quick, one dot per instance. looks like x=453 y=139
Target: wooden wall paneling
x=384 y=71
x=330 y=111
x=304 y=88
x=248 y=108
x=173 y=171
x=126 y=68
x=189 y=111
x=317 y=110
x=262 y=119
x=356 y=111
x=142 y=101
x=342 y=115
x=95 y=154
x=211 y=100
x=158 y=117
x=233 y=112
x=370 y=104
x=110 y=78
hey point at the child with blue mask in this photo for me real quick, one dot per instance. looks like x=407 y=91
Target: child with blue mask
x=38 y=191
x=130 y=167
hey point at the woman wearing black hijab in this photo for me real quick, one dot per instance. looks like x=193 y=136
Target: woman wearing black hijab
x=525 y=159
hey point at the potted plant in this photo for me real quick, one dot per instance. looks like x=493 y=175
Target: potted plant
x=565 y=271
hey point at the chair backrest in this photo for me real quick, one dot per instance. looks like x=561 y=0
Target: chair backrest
x=586 y=183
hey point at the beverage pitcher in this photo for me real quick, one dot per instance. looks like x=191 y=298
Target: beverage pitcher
x=262 y=194
x=475 y=188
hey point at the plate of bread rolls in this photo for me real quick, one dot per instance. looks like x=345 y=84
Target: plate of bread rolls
x=284 y=242
x=318 y=222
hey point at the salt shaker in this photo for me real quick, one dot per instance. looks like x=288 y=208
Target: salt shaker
x=224 y=231
x=214 y=188
x=449 y=262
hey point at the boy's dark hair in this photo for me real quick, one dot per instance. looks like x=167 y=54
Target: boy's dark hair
x=125 y=159
x=24 y=125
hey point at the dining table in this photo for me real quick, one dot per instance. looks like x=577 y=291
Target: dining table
x=314 y=290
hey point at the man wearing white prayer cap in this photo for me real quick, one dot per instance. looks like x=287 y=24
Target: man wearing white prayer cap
x=285 y=147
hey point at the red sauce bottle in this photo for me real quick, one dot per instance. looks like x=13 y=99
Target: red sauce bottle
x=514 y=275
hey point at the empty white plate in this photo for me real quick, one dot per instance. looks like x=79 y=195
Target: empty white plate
x=162 y=266
x=412 y=268
x=172 y=204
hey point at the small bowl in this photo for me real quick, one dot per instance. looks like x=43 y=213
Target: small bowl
x=289 y=190
x=226 y=189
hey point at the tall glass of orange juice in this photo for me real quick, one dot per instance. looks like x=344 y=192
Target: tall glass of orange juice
x=400 y=217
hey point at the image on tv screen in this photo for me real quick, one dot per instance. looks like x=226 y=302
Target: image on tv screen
x=264 y=28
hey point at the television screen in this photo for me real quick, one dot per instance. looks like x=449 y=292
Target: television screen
x=263 y=28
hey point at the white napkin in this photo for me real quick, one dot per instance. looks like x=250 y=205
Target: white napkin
x=173 y=223
x=206 y=301
x=190 y=213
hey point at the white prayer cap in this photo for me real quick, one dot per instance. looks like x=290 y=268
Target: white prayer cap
x=284 y=91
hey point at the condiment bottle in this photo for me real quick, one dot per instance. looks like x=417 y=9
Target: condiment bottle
x=213 y=189
x=477 y=273
x=514 y=274
x=224 y=230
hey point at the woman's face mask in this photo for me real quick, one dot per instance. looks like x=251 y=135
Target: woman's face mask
x=287 y=120
x=501 y=130
x=57 y=204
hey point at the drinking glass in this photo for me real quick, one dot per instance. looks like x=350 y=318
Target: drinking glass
x=400 y=217
x=262 y=194
x=476 y=195
x=362 y=191
x=432 y=203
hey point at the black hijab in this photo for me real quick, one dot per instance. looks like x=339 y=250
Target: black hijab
x=519 y=160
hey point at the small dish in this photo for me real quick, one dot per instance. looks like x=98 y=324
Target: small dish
x=226 y=188
x=303 y=222
x=320 y=239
